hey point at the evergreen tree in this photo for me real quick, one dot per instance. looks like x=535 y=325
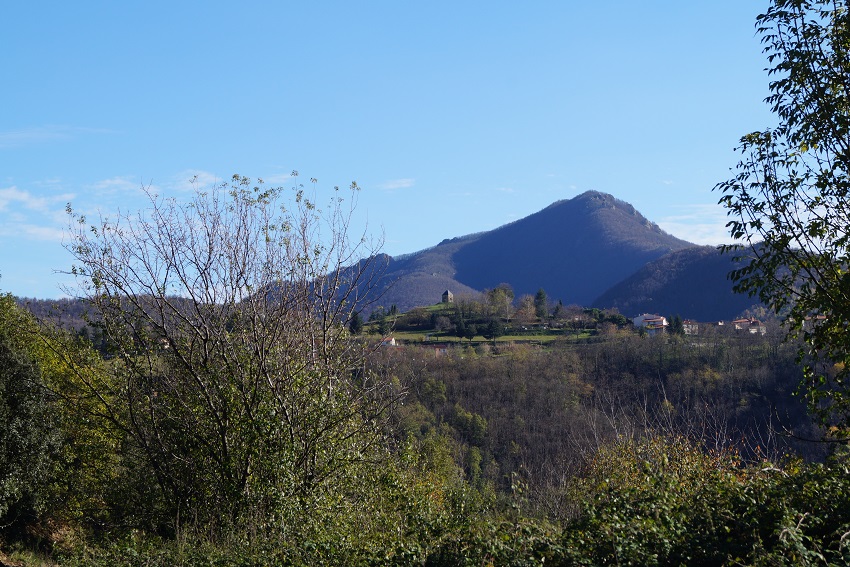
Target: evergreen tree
x=355 y=325
x=541 y=307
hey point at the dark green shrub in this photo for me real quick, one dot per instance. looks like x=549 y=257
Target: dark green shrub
x=28 y=428
x=665 y=502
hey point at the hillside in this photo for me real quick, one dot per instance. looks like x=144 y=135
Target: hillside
x=421 y=278
x=574 y=249
x=592 y=250
x=690 y=282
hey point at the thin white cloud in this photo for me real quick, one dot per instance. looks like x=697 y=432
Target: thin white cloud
x=41 y=134
x=703 y=234
x=14 y=197
x=700 y=224
x=117 y=184
x=188 y=179
x=403 y=183
x=279 y=179
x=17 y=209
x=505 y=189
x=30 y=136
x=44 y=233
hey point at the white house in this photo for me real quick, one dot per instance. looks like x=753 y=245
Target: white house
x=690 y=327
x=751 y=325
x=652 y=323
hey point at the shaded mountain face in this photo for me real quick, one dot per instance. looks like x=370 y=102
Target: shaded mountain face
x=691 y=283
x=574 y=249
x=419 y=279
x=592 y=250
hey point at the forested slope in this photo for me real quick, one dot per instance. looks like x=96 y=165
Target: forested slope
x=693 y=283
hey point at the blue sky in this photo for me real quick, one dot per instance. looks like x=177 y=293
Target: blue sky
x=453 y=117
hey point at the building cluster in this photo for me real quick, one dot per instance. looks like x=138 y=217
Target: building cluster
x=654 y=324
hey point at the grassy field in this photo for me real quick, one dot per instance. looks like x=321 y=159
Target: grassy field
x=408 y=335
x=429 y=336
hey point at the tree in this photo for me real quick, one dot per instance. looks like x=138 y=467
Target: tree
x=383 y=326
x=493 y=330
x=460 y=329
x=442 y=324
x=558 y=312
x=677 y=327
x=29 y=433
x=525 y=311
x=789 y=205
x=355 y=325
x=541 y=304
x=228 y=315
x=499 y=299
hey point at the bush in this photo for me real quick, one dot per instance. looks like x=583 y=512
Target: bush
x=28 y=430
x=663 y=501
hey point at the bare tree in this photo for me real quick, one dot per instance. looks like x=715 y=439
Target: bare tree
x=229 y=314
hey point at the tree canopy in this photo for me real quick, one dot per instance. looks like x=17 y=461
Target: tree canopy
x=28 y=428
x=788 y=202
x=229 y=315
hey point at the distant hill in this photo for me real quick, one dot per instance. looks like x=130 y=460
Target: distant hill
x=591 y=250
x=692 y=283
x=574 y=249
x=420 y=279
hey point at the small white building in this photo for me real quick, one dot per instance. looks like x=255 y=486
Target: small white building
x=652 y=323
x=751 y=325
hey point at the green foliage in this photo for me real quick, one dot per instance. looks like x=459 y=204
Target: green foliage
x=676 y=326
x=494 y=329
x=355 y=325
x=29 y=433
x=60 y=438
x=382 y=327
x=499 y=300
x=641 y=499
x=788 y=202
x=665 y=502
x=234 y=377
x=541 y=304
x=92 y=467
x=471 y=425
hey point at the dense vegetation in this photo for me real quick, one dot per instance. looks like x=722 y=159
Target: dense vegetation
x=508 y=453
x=218 y=403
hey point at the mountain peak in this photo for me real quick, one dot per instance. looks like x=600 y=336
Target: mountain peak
x=559 y=247
x=575 y=249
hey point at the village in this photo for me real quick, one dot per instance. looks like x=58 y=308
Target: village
x=492 y=319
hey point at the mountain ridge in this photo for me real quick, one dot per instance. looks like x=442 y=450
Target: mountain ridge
x=576 y=249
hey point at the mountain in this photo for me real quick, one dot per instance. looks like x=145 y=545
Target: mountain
x=574 y=249
x=421 y=278
x=592 y=250
x=690 y=282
